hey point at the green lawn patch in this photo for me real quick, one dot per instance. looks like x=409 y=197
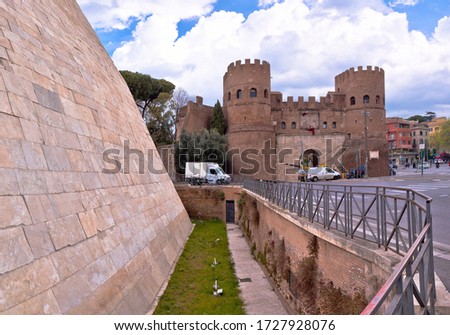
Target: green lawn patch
x=191 y=287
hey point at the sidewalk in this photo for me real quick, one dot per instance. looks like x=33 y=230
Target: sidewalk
x=257 y=293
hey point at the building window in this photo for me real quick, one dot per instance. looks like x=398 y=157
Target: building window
x=377 y=99
x=229 y=96
x=421 y=133
x=333 y=125
x=421 y=141
x=283 y=125
x=294 y=125
x=324 y=125
x=253 y=93
x=266 y=93
x=366 y=99
x=352 y=101
x=239 y=94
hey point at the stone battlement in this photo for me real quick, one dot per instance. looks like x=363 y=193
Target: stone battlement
x=359 y=71
x=301 y=103
x=238 y=65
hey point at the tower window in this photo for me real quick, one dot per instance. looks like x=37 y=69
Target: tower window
x=324 y=125
x=333 y=125
x=352 y=101
x=366 y=99
x=293 y=125
x=253 y=93
x=377 y=99
x=283 y=125
x=239 y=94
x=229 y=96
x=266 y=93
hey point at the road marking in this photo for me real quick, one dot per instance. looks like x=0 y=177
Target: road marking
x=443 y=195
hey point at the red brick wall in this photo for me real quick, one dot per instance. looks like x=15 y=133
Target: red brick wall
x=348 y=264
x=207 y=201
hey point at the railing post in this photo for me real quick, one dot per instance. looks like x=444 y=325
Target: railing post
x=326 y=206
x=310 y=203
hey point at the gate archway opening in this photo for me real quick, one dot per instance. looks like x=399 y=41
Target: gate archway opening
x=311 y=158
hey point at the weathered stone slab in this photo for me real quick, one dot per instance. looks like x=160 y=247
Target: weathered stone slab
x=72 y=259
x=26 y=282
x=38 y=238
x=48 y=98
x=14 y=249
x=44 y=303
x=65 y=231
x=13 y=212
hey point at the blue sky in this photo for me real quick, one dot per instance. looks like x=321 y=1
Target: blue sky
x=307 y=43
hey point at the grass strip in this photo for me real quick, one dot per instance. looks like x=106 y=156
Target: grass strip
x=191 y=286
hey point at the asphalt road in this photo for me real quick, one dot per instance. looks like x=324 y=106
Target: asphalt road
x=435 y=183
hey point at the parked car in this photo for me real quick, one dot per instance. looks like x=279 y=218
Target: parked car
x=425 y=165
x=322 y=173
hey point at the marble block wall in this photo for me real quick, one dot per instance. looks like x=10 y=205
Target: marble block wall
x=90 y=223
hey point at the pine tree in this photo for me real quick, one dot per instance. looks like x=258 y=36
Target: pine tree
x=217 y=120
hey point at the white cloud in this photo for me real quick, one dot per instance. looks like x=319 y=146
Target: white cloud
x=403 y=3
x=116 y=14
x=307 y=43
x=266 y=3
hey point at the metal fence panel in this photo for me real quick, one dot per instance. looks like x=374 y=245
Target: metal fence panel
x=394 y=218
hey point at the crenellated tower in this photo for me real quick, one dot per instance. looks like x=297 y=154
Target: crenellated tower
x=364 y=116
x=364 y=92
x=247 y=110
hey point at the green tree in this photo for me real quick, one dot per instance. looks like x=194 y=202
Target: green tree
x=429 y=116
x=217 y=120
x=145 y=89
x=153 y=96
x=423 y=118
x=160 y=120
x=206 y=146
x=418 y=118
x=441 y=139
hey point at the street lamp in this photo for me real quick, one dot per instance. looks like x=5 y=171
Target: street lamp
x=365 y=113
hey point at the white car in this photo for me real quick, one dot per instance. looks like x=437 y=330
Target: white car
x=425 y=165
x=322 y=173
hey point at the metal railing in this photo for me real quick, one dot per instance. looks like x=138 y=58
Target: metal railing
x=394 y=218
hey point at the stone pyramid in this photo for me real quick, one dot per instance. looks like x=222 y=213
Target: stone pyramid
x=90 y=223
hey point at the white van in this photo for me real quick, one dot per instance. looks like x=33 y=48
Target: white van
x=197 y=173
